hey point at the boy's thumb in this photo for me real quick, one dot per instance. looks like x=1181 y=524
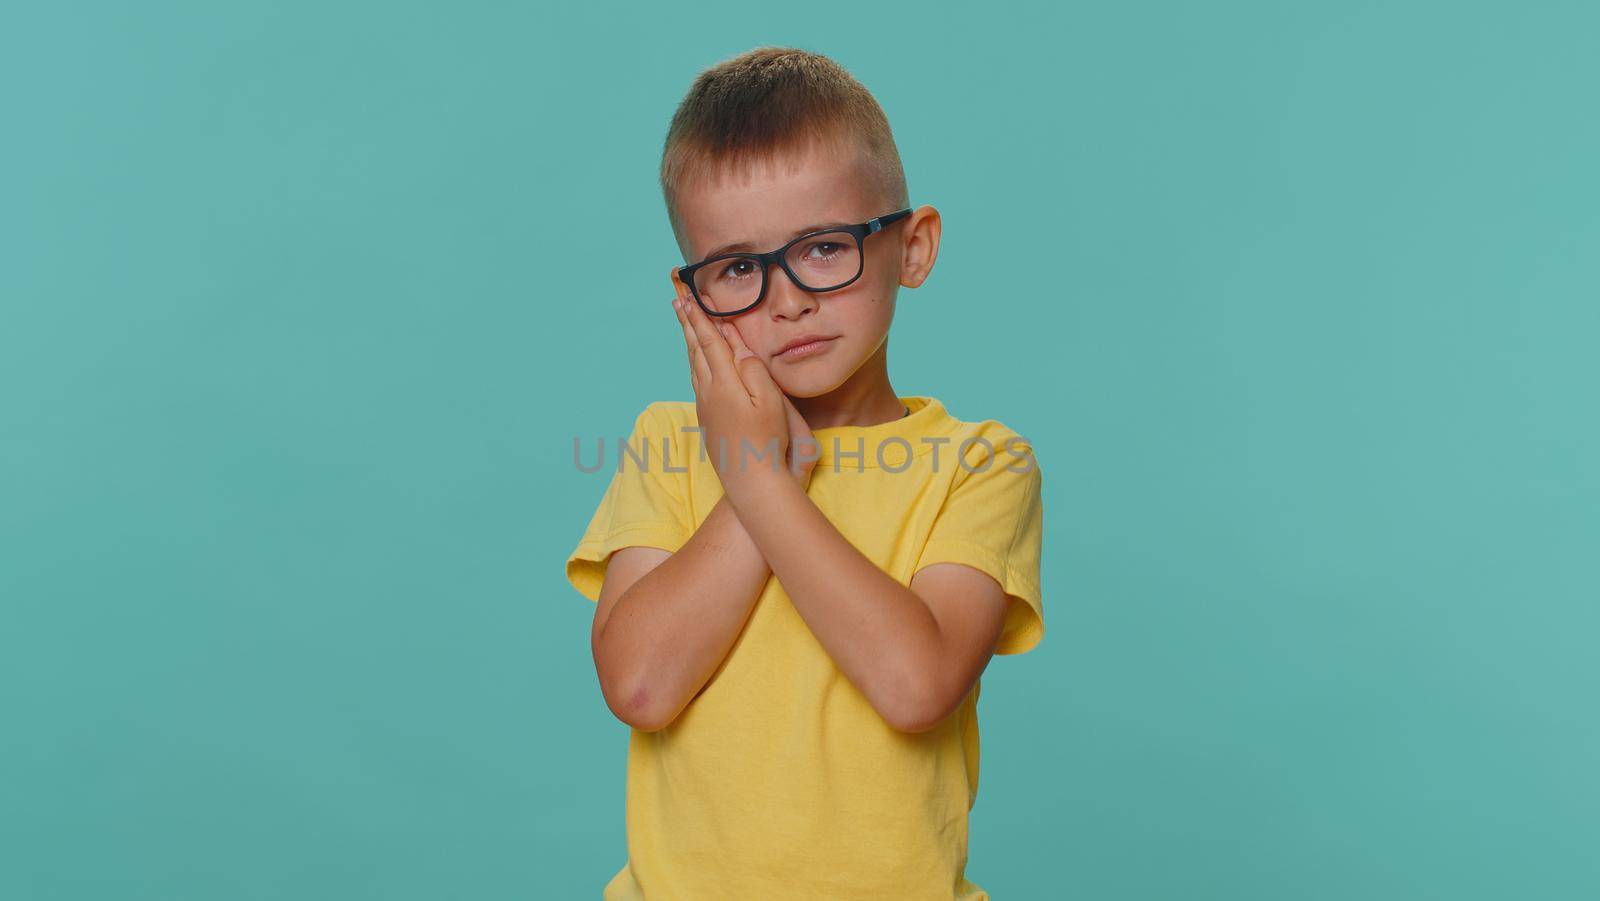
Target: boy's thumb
x=747 y=361
x=751 y=369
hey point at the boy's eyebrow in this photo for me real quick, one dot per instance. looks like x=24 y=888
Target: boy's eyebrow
x=740 y=246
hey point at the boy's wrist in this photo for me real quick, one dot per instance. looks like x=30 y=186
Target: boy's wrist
x=755 y=482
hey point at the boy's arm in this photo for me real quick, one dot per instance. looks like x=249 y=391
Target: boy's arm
x=914 y=654
x=664 y=622
x=915 y=651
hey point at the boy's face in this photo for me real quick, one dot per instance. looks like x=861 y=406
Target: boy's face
x=779 y=202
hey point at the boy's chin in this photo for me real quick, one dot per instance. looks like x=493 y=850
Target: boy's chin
x=808 y=385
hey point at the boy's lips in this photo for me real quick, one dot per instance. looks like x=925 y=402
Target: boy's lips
x=804 y=346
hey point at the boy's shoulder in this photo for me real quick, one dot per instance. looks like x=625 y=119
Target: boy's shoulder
x=666 y=417
x=980 y=437
x=673 y=410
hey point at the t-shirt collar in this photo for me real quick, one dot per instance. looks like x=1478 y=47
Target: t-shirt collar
x=885 y=444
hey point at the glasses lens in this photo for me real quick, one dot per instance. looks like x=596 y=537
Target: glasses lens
x=729 y=285
x=826 y=260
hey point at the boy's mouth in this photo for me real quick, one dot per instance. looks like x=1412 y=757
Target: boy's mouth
x=804 y=346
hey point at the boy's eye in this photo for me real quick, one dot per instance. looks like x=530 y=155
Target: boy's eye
x=822 y=251
x=739 y=269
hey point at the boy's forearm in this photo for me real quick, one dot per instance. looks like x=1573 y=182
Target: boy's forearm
x=879 y=632
x=672 y=628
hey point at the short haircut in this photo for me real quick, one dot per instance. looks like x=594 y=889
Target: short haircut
x=773 y=102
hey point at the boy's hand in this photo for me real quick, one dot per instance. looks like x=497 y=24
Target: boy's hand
x=741 y=409
x=803 y=449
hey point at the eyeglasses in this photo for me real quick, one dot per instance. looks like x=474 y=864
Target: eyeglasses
x=823 y=260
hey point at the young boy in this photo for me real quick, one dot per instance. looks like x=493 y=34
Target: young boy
x=797 y=638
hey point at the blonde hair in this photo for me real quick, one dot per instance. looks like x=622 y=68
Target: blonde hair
x=773 y=102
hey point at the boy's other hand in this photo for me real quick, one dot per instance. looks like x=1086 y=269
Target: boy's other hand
x=740 y=408
x=803 y=449
x=801 y=453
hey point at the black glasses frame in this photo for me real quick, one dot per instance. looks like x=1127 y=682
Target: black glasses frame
x=779 y=256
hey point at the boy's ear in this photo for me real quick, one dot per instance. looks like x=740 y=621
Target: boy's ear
x=921 y=247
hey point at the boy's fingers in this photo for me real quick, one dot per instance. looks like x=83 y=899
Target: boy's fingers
x=688 y=345
x=751 y=369
x=735 y=340
x=687 y=359
x=713 y=347
x=699 y=373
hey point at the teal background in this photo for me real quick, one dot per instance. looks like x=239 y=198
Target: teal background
x=303 y=305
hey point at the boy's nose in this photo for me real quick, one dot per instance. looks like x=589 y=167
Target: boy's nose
x=786 y=299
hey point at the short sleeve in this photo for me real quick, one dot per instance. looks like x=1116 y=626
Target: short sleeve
x=643 y=505
x=993 y=520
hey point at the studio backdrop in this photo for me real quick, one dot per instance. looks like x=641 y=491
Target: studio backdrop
x=304 y=305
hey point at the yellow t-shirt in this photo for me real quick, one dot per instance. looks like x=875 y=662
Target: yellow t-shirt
x=780 y=780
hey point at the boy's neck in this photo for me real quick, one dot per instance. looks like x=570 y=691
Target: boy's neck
x=842 y=407
x=866 y=398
